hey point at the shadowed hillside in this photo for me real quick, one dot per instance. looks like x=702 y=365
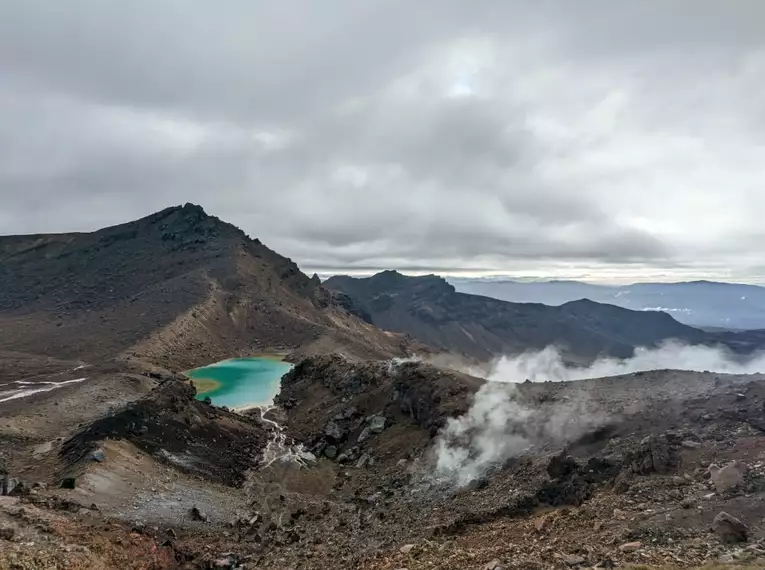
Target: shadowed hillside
x=432 y=311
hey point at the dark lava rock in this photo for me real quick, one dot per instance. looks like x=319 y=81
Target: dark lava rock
x=7 y=533
x=198 y=515
x=363 y=436
x=730 y=529
x=330 y=452
x=653 y=456
x=335 y=431
x=561 y=466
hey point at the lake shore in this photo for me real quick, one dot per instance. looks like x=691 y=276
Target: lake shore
x=205 y=385
x=248 y=407
x=241 y=383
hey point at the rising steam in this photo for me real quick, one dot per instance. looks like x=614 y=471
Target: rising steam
x=498 y=427
x=548 y=364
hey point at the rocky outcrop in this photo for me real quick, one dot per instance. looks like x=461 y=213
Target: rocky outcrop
x=170 y=424
x=340 y=406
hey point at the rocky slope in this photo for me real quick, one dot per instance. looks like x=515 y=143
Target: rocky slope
x=178 y=288
x=429 y=309
x=623 y=460
x=657 y=468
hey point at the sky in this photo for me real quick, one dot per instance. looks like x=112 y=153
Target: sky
x=601 y=140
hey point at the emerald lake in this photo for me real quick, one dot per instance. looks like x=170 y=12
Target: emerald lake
x=240 y=382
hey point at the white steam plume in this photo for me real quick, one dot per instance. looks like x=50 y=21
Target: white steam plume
x=497 y=427
x=548 y=364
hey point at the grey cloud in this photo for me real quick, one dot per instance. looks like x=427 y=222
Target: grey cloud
x=381 y=134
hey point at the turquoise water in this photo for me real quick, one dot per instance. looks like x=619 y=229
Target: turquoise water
x=242 y=381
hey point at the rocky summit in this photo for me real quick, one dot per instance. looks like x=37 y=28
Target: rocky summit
x=382 y=450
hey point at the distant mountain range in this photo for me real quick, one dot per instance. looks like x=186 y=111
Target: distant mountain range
x=704 y=304
x=431 y=310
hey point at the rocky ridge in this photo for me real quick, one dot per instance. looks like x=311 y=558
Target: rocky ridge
x=432 y=311
x=179 y=288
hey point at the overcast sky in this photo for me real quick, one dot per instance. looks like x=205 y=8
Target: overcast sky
x=609 y=140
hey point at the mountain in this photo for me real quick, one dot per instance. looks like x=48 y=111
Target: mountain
x=178 y=288
x=697 y=303
x=431 y=310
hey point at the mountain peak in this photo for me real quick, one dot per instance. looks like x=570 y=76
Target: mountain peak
x=189 y=222
x=190 y=212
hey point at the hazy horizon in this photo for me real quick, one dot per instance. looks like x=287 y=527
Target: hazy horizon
x=615 y=281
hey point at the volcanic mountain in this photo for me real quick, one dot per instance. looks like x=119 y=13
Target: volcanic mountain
x=429 y=309
x=178 y=288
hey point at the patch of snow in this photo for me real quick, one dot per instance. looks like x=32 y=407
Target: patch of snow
x=48 y=386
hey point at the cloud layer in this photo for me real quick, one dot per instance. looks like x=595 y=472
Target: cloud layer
x=545 y=137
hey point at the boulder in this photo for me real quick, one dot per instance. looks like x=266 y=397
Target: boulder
x=377 y=424
x=330 y=452
x=729 y=476
x=346 y=414
x=654 y=456
x=541 y=523
x=630 y=547
x=306 y=456
x=349 y=455
x=574 y=560
x=7 y=533
x=198 y=515
x=334 y=431
x=364 y=435
x=362 y=462
x=730 y=529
